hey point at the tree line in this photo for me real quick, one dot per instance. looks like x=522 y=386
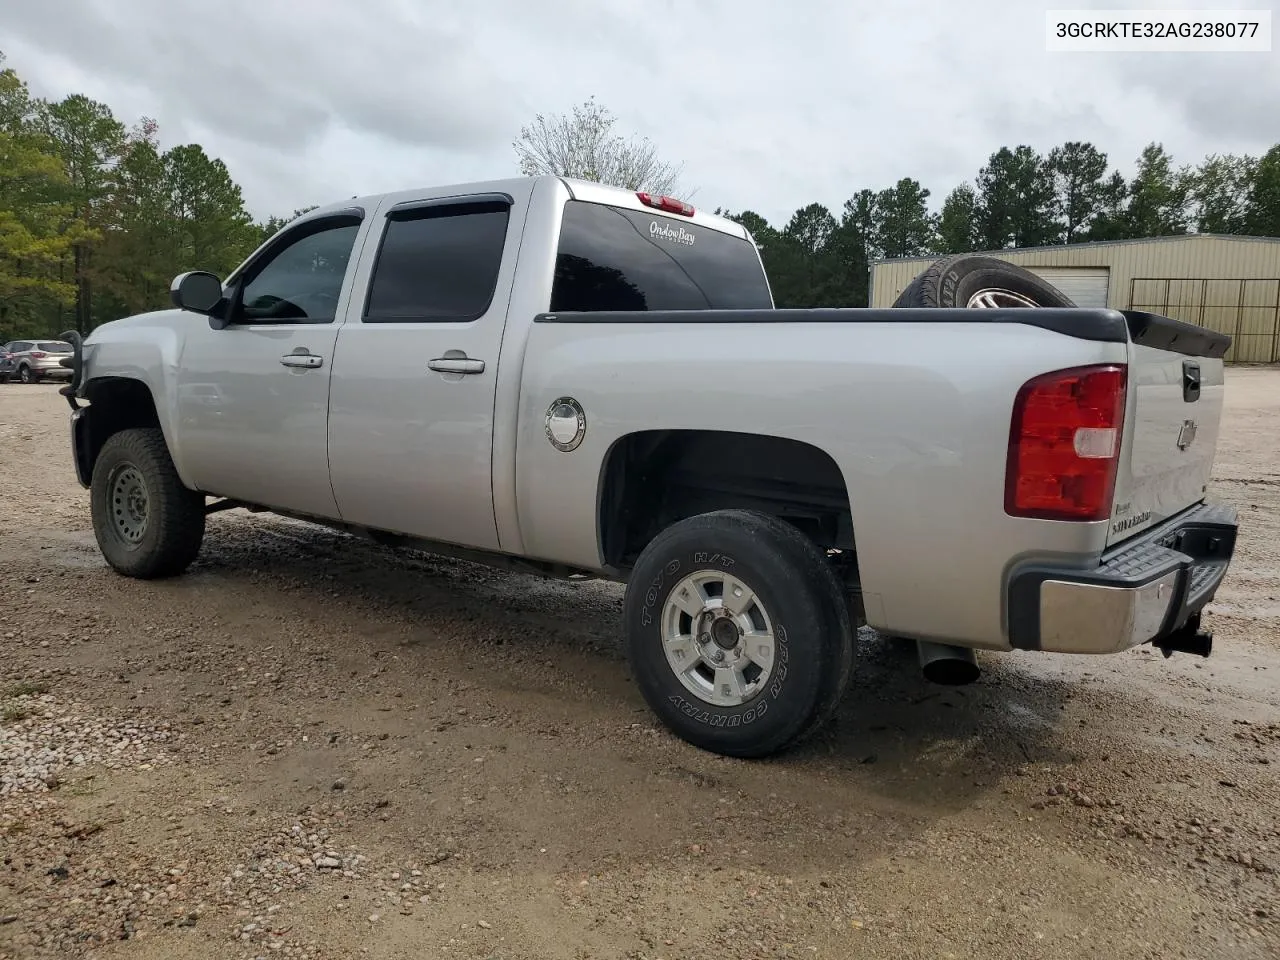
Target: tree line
x=1019 y=198
x=96 y=219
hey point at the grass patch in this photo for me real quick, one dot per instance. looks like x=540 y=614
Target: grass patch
x=26 y=688
x=13 y=712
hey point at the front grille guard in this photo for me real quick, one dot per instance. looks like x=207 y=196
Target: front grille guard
x=74 y=363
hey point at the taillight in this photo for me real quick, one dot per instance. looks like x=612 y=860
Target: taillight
x=666 y=204
x=37 y=355
x=1064 y=447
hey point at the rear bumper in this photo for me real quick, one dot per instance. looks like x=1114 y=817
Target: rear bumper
x=1149 y=591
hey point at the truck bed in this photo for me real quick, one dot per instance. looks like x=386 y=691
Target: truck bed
x=912 y=405
x=1083 y=323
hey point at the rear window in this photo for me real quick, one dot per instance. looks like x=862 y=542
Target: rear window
x=625 y=260
x=54 y=347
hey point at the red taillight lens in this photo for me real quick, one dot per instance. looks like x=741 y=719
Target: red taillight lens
x=37 y=355
x=666 y=204
x=1064 y=448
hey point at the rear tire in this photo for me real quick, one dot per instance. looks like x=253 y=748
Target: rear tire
x=755 y=676
x=27 y=375
x=147 y=524
x=967 y=278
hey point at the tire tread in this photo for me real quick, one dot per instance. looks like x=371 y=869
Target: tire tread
x=178 y=510
x=835 y=646
x=925 y=289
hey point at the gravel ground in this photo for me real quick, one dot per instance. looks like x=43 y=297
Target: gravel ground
x=313 y=747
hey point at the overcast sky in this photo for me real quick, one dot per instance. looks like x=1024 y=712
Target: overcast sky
x=769 y=104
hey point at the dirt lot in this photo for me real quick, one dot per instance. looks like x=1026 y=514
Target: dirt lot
x=312 y=747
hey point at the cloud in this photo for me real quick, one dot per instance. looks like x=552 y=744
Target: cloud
x=284 y=72
x=769 y=106
x=1229 y=102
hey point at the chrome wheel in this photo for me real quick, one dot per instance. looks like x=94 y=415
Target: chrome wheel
x=718 y=638
x=994 y=297
x=130 y=504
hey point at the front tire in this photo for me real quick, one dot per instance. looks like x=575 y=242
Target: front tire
x=738 y=632
x=147 y=524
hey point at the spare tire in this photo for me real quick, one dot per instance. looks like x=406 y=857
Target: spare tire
x=973 y=280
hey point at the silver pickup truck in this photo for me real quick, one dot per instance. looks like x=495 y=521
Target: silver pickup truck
x=574 y=379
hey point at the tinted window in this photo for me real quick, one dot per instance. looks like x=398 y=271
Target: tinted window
x=438 y=264
x=300 y=283
x=54 y=347
x=615 y=259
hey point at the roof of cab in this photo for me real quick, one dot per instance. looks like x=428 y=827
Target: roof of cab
x=586 y=190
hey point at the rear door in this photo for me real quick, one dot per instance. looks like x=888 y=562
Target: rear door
x=1176 y=385
x=21 y=355
x=412 y=402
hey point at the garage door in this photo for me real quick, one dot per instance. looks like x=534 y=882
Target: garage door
x=1084 y=286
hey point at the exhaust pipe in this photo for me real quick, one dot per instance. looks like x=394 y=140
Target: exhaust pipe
x=952 y=666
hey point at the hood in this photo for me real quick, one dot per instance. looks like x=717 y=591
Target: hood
x=153 y=318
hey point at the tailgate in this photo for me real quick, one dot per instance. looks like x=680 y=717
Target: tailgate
x=1171 y=430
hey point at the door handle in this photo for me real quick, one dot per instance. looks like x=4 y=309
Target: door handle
x=1190 y=381
x=455 y=365
x=309 y=360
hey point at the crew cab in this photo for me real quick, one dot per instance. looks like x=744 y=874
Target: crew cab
x=581 y=380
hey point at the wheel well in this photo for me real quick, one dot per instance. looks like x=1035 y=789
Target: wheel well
x=115 y=404
x=654 y=478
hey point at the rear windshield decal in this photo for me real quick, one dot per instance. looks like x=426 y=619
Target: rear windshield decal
x=679 y=235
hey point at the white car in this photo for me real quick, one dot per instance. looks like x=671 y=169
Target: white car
x=31 y=361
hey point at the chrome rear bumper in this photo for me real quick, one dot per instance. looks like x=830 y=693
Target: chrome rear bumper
x=1149 y=591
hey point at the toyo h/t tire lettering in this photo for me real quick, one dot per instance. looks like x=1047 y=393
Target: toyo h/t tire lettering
x=956 y=281
x=789 y=583
x=147 y=524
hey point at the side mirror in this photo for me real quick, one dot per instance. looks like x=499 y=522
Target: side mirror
x=197 y=291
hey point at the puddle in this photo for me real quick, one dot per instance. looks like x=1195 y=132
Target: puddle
x=75 y=549
x=79 y=561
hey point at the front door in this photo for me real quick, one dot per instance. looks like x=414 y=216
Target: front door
x=412 y=402
x=253 y=397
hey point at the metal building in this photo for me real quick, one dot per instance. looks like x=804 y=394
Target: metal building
x=1230 y=284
